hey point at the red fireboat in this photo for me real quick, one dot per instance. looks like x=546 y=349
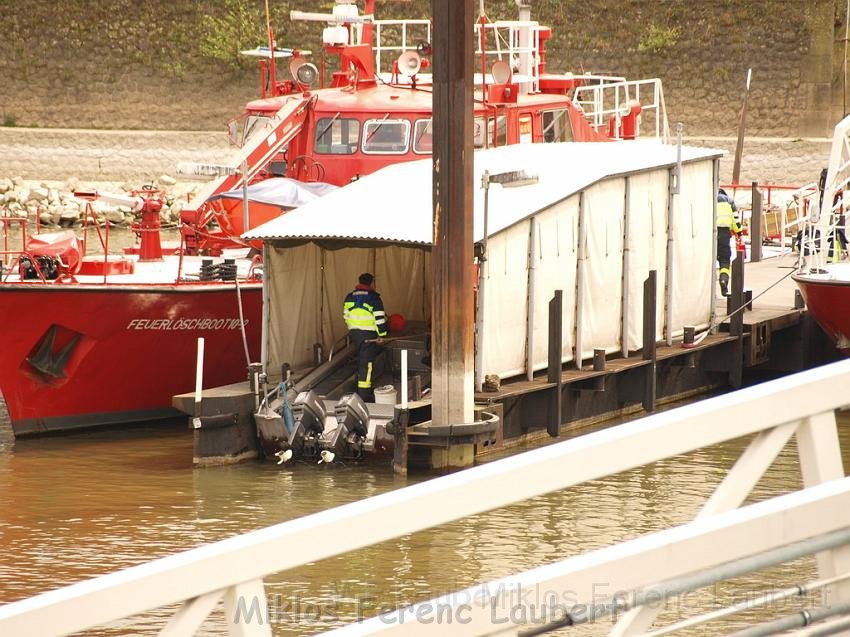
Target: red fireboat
x=109 y=338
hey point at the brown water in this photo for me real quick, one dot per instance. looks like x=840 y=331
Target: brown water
x=77 y=506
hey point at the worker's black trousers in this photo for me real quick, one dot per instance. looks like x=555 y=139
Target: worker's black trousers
x=724 y=251
x=367 y=352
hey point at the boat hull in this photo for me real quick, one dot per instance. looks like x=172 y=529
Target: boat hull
x=83 y=356
x=828 y=302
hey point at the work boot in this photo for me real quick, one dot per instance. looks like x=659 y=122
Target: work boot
x=724 y=284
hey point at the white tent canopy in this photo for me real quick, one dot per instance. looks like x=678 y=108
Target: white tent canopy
x=383 y=224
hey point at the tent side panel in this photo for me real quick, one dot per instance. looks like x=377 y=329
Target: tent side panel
x=693 y=233
x=505 y=302
x=603 y=279
x=340 y=272
x=647 y=243
x=401 y=281
x=294 y=318
x=557 y=228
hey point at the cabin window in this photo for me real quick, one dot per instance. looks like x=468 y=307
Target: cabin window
x=337 y=135
x=556 y=126
x=386 y=136
x=526 y=135
x=478 y=132
x=423 y=136
x=253 y=124
x=501 y=138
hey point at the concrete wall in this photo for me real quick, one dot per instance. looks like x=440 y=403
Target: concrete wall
x=123 y=64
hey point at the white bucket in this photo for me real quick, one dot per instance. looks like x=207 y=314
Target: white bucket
x=385 y=395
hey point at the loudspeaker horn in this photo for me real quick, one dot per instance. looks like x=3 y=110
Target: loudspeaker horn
x=409 y=63
x=303 y=72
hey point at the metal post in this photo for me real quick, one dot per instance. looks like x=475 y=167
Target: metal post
x=672 y=187
x=556 y=347
x=529 y=322
x=736 y=323
x=624 y=304
x=649 y=352
x=245 y=216
x=264 y=340
x=599 y=360
x=483 y=274
x=404 y=390
x=755 y=225
x=452 y=318
x=714 y=273
x=401 y=419
x=580 y=265
x=742 y=125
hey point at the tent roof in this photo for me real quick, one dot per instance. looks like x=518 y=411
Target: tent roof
x=393 y=205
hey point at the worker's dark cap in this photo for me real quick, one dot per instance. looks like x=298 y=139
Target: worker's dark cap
x=366 y=278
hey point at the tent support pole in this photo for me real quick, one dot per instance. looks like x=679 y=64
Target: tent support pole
x=624 y=305
x=580 y=266
x=264 y=340
x=715 y=188
x=529 y=323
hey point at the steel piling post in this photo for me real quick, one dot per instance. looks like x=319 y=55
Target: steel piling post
x=452 y=318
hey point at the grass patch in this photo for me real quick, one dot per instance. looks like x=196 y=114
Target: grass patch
x=657 y=39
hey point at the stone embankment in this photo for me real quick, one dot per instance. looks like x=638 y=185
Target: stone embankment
x=54 y=204
x=40 y=168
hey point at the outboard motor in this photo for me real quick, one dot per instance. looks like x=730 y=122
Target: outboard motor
x=352 y=419
x=309 y=413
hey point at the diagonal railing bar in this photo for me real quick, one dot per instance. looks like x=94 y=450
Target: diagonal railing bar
x=191 y=615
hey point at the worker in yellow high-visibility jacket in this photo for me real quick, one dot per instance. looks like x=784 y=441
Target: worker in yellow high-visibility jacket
x=727 y=225
x=364 y=316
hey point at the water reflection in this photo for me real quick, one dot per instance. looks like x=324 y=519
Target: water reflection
x=77 y=506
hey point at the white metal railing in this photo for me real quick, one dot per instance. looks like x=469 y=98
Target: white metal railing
x=406 y=35
x=517 y=42
x=232 y=571
x=801 y=202
x=603 y=97
x=828 y=210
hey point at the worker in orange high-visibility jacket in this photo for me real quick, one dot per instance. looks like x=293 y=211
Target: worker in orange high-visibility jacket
x=727 y=225
x=364 y=316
